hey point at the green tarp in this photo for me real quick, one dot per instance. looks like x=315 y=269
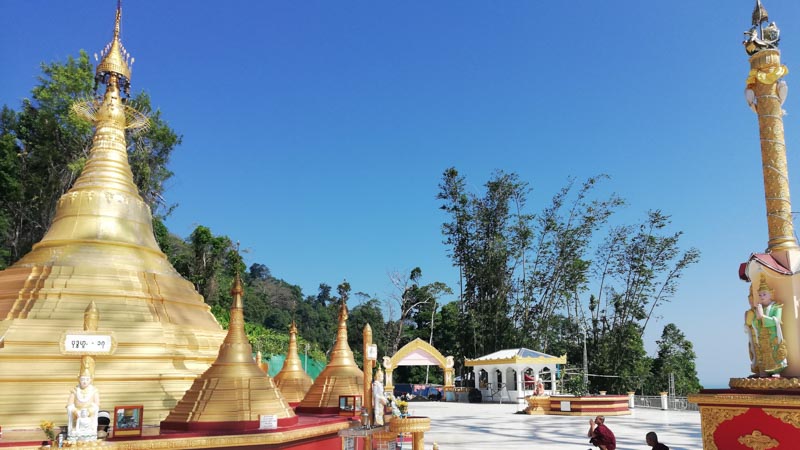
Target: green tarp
x=312 y=366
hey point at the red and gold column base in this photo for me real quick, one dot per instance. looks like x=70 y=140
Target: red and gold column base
x=733 y=419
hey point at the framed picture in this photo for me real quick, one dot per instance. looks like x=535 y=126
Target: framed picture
x=127 y=420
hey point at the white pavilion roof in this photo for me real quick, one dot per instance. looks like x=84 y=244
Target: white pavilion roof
x=517 y=356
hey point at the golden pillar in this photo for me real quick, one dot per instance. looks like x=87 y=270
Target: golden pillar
x=367 y=405
x=367 y=334
x=765 y=92
x=765 y=82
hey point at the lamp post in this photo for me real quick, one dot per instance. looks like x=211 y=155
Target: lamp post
x=585 y=359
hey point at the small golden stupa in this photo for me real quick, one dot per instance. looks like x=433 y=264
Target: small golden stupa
x=339 y=378
x=292 y=380
x=234 y=392
x=100 y=248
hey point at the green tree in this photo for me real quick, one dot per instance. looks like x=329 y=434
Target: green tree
x=458 y=230
x=317 y=317
x=675 y=356
x=424 y=316
x=485 y=234
x=620 y=355
x=213 y=264
x=416 y=304
x=639 y=269
x=367 y=312
x=559 y=262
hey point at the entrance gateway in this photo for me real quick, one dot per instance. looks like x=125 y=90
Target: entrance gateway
x=419 y=353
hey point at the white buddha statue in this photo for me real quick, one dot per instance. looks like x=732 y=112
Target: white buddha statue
x=82 y=408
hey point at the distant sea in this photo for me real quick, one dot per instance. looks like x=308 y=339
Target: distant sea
x=716 y=385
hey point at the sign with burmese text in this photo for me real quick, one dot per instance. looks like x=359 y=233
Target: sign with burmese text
x=95 y=344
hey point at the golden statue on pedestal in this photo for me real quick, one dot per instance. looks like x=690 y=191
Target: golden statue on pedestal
x=765 y=335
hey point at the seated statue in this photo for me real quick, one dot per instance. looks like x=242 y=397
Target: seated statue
x=82 y=408
x=765 y=335
x=539 y=389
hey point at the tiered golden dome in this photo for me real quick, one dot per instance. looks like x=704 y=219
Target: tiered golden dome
x=234 y=392
x=340 y=377
x=292 y=380
x=100 y=247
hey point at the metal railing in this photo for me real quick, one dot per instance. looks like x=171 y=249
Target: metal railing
x=673 y=403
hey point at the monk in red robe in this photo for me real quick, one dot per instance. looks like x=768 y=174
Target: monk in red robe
x=600 y=435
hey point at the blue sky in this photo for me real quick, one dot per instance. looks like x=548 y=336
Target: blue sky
x=316 y=132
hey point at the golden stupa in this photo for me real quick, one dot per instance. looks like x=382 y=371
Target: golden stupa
x=340 y=377
x=293 y=381
x=234 y=392
x=100 y=248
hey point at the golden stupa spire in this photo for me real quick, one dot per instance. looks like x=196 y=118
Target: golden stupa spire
x=234 y=392
x=115 y=59
x=101 y=248
x=340 y=377
x=292 y=380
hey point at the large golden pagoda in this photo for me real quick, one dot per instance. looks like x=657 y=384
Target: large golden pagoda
x=293 y=381
x=234 y=392
x=340 y=377
x=100 y=248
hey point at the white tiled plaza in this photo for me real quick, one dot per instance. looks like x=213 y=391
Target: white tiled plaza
x=461 y=426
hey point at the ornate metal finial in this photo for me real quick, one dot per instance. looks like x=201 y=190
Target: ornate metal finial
x=237 y=288
x=759 y=14
x=343 y=311
x=758 y=38
x=117 y=19
x=115 y=60
x=237 y=285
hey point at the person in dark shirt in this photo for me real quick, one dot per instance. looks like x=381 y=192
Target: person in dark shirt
x=652 y=441
x=600 y=435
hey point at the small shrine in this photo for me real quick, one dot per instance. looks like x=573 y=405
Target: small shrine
x=512 y=374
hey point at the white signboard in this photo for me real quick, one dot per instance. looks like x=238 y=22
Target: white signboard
x=87 y=343
x=268 y=422
x=372 y=352
x=566 y=406
x=349 y=443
